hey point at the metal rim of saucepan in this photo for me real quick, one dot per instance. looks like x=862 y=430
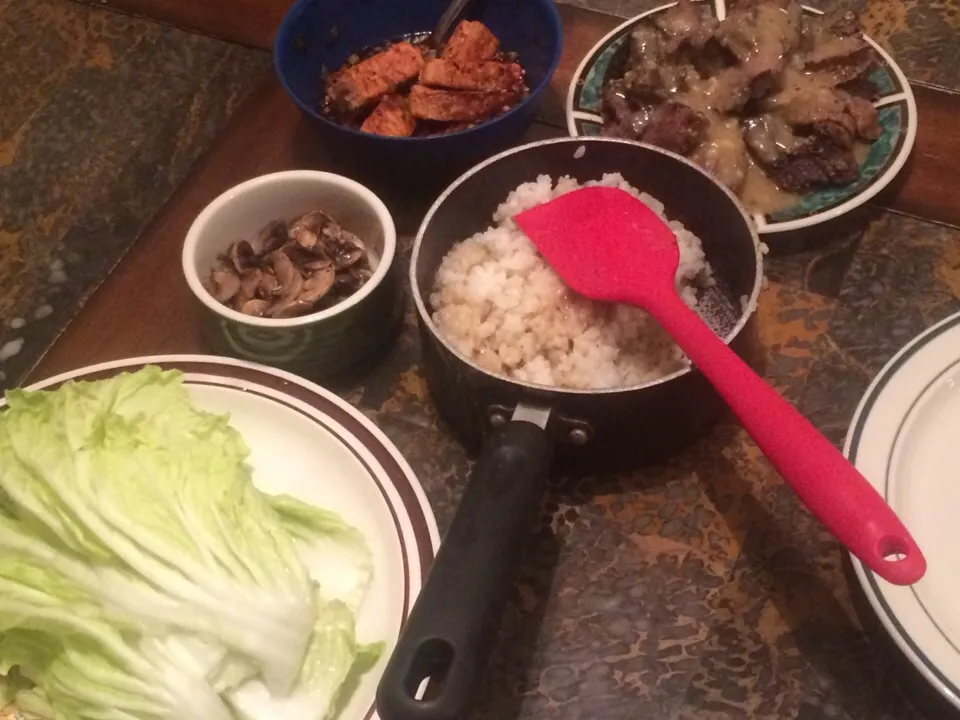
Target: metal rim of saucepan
x=427 y=320
x=434 y=669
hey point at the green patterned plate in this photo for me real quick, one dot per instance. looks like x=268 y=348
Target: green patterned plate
x=887 y=155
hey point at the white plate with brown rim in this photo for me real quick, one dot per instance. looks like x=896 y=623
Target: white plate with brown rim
x=307 y=442
x=881 y=161
x=904 y=439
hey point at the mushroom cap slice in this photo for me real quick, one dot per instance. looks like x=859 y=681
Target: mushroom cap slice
x=313 y=290
x=224 y=284
x=318 y=264
x=304 y=237
x=269 y=285
x=308 y=228
x=290 y=284
x=291 y=269
x=255 y=307
x=284 y=269
x=318 y=285
x=354 y=278
x=348 y=251
x=294 y=308
x=249 y=282
x=242 y=256
x=348 y=257
x=348 y=238
x=272 y=237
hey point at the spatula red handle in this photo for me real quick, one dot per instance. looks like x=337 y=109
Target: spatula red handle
x=829 y=485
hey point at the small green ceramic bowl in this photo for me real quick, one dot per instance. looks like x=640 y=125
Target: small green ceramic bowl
x=323 y=344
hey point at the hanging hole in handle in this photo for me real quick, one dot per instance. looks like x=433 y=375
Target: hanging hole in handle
x=893 y=549
x=429 y=669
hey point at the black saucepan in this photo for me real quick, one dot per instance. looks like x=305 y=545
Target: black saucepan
x=521 y=430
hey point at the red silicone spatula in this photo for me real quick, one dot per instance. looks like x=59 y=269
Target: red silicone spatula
x=607 y=245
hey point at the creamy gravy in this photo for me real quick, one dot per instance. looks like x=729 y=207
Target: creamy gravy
x=797 y=83
x=759 y=194
x=723 y=152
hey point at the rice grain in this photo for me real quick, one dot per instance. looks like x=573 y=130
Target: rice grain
x=498 y=303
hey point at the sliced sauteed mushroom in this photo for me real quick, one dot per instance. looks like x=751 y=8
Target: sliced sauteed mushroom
x=224 y=284
x=255 y=307
x=242 y=256
x=273 y=236
x=291 y=270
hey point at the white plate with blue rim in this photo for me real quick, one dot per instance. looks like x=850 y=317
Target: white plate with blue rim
x=905 y=439
x=885 y=157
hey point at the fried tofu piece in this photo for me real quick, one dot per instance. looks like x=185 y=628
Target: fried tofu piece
x=449 y=106
x=390 y=117
x=366 y=82
x=485 y=76
x=471 y=42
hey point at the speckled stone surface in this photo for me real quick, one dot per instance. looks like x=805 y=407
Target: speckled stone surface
x=101 y=116
x=923 y=36
x=695 y=590
x=701 y=589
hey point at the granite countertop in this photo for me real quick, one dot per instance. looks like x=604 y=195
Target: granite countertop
x=699 y=589
x=101 y=117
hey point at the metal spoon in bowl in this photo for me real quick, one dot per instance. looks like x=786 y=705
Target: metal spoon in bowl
x=446 y=22
x=609 y=246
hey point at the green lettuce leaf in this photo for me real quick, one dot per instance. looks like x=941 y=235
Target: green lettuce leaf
x=335 y=553
x=339 y=560
x=157 y=498
x=86 y=664
x=334 y=659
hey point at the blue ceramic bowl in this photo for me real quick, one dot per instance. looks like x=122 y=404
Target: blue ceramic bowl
x=318 y=35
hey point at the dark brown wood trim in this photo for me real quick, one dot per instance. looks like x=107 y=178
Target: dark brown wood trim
x=144 y=306
x=245 y=22
x=927 y=187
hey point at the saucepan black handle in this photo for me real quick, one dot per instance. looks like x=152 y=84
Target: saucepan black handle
x=454 y=620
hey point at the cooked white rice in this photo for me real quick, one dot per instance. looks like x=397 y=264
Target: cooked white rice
x=496 y=300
